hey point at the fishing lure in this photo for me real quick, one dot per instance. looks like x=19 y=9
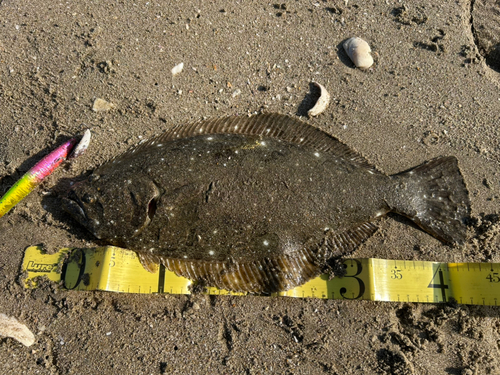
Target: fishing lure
x=42 y=169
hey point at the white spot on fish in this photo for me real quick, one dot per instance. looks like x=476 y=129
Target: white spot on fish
x=159 y=145
x=266 y=243
x=211 y=252
x=209 y=138
x=316 y=154
x=185 y=256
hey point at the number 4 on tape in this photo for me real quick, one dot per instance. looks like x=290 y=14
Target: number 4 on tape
x=119 y=270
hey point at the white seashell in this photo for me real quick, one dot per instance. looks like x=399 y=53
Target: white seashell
x=177 y=69
x=10 y=327
x=359 y=52
x=322 y=102
x=82 y=146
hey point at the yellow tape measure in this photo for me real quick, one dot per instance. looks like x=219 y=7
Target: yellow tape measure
x=119 y=270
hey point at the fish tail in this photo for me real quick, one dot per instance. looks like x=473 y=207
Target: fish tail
x=434 y=196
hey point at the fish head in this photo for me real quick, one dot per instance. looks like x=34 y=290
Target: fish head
x=111 y=208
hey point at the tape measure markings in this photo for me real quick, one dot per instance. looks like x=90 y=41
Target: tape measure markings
x=119 y=270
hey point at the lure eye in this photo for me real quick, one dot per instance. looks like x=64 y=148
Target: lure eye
x=87 y=198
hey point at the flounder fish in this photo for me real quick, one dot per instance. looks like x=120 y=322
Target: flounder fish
x=257 y=204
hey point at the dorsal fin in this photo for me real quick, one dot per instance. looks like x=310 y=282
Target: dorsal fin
x=272 y=125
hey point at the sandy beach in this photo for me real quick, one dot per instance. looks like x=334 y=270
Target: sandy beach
x=433 y=91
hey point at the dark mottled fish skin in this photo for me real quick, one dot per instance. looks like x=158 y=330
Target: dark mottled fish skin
x=257 y=204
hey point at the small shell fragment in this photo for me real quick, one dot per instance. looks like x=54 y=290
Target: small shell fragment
x=10 y=327
x=321 y=103
x=82 y=146
x=101 y=105
x=177 y=69
x=236 y=93
x=359 y=52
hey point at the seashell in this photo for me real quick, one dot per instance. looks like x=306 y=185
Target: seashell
x=10 y=327
x=177 y=69
x=321 y=103
x=359 y=52
x=82 y=146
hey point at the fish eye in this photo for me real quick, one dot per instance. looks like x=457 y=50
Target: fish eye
x=87 y=198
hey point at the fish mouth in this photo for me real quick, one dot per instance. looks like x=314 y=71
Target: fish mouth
x=73 y=206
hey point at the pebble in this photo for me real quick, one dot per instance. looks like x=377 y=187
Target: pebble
x=101 y=105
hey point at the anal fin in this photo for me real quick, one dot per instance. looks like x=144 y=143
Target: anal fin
x=150 y=263
x=275 y=274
